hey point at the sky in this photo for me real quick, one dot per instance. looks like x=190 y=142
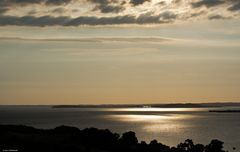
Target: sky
x=119 y=51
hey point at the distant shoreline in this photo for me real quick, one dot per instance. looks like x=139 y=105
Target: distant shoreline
x=174 y=105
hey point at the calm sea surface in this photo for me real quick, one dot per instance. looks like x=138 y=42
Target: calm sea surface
x=168 y=125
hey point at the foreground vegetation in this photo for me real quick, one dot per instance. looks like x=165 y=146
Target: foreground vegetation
x=71 y=139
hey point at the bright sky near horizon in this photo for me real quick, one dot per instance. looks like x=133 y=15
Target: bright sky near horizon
x=126 y=51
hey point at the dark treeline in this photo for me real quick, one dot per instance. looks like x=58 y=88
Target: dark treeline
x=71 y=139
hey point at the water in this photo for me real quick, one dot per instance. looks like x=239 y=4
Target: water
x=168 y=125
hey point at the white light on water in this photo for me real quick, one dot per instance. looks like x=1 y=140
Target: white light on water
x=155 y=123
x=139 y=118
x=148 y=118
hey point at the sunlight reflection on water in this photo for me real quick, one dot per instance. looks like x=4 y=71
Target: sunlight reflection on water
x=155 y=123
x=155 y=120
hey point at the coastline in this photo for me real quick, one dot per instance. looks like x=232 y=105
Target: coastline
x=171 y=105
x=66 y=138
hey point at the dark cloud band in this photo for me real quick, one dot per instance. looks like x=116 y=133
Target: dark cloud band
x=216 y=17
x=26 y=2
x=3 y=10
x=207 y=3
x=6 y=5
x=138 y=2
x=109 y=8
x=235 y=7
x=84 y=20
x=106 y=6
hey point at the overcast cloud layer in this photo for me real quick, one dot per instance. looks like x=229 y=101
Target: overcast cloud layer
x=109 y=12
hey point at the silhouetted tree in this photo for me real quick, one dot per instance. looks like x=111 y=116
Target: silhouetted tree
x=154 y=146
x=198 y=148
x=187 y=146
x=129 y=139
x=143 y=147
x=215 y=146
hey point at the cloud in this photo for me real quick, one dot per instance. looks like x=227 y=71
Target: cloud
x=176 y=1
x=103 y=2
x=59 y=10
x=161 y=3
x=138 y=2
x=28 y=2
x=217 y=17
x=111 y=12
x=196 y=14
x=3 y=10
x=33 y=21
x=207 y=3
x=165 y=17
x=100 y=1
x=109 y=8
x=235 y=7
x=5 y=5
x=106 y=6
x=98 y=39
x=127 y=19
x=168 y=15
x=57 y=2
